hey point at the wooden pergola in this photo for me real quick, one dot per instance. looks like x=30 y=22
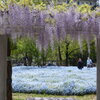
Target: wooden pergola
x=18 y=28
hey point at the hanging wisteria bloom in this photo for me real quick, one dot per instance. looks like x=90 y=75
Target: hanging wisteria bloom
x=49 y=24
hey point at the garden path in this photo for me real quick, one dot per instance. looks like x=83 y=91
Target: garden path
x=49 y=98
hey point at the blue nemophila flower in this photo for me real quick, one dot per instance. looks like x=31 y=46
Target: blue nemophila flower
x=54 y=80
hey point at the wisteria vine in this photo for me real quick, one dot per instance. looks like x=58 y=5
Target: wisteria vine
x=47 y=25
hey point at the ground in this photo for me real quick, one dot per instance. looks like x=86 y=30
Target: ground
x=23 y=96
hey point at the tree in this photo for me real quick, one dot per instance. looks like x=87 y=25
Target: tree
x=26 y=49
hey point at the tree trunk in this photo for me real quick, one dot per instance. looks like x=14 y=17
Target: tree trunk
x=67 y=55
x=25 y=59
x=29 y=61
x=43 y=57
x=9 y=72
x=59 y=54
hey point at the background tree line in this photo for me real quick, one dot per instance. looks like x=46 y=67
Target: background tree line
x=67 y=52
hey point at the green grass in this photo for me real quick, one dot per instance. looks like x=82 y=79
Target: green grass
x=23 y=96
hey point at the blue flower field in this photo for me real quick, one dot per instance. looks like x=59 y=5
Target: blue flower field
x=54 y=80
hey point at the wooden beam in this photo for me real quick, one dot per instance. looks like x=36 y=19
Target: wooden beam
x=98 y=68
x=3 y=67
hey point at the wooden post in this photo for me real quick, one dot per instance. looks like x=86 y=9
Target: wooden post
x=3 y=67
x=98 y=68
x=9 y=71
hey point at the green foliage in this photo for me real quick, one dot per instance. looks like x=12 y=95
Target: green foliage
x=40 y=7
x=2 y=5
x=93 y=51
x=25 y=47
x=36 y=2
x=50 y=21
x=43 y=4
x=97 y=12
x=85 y=53
x=11 y=1
x=70 y=1
x=84 y=8
x=61 y=8
x=74 y=52
x=26 y=2
x=50 y=54
x=84 y=18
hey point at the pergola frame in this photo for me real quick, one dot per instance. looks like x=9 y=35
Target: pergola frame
x=12 y=23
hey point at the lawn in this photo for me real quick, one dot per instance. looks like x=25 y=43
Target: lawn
x=23 y=96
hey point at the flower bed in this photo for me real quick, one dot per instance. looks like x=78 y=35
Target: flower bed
x=54 y=80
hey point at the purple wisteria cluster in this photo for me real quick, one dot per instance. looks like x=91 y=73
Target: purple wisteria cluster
x=45 y=26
